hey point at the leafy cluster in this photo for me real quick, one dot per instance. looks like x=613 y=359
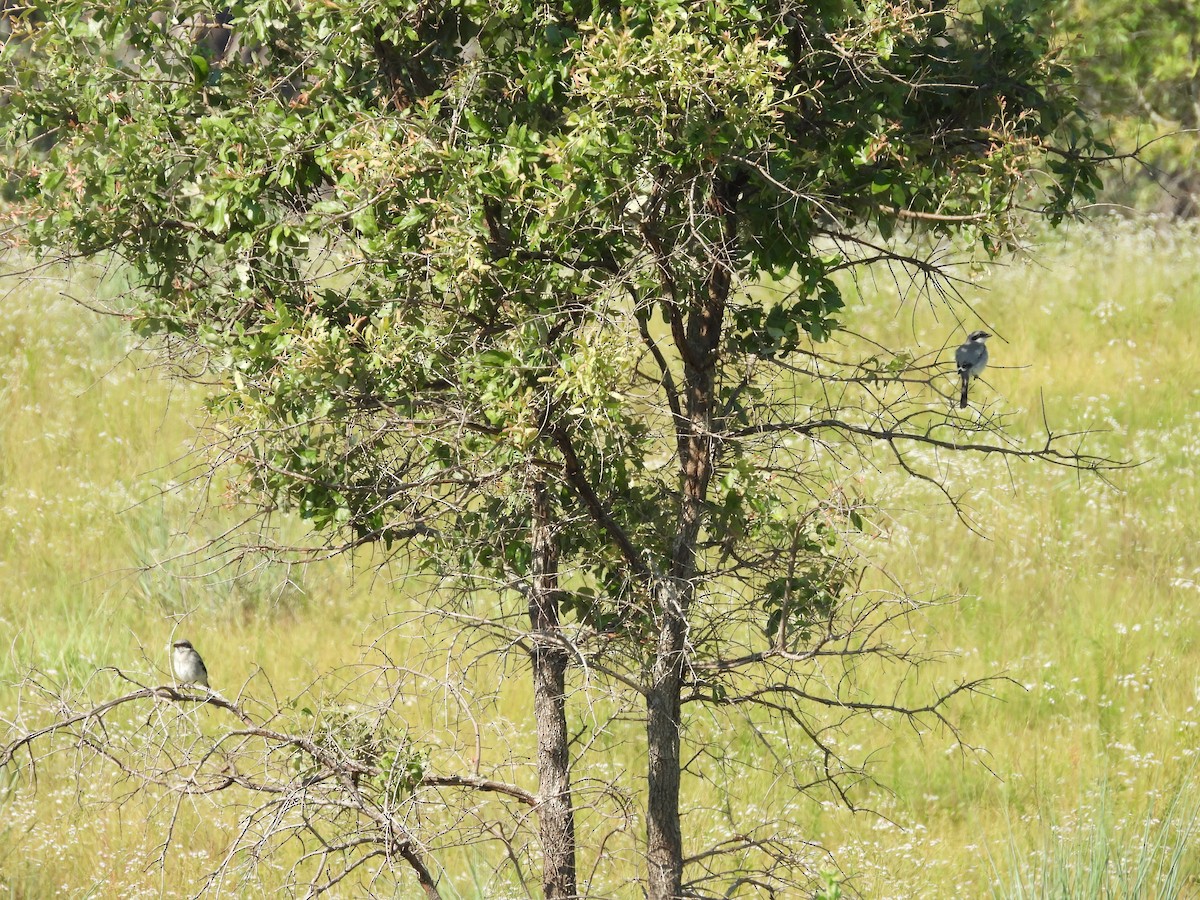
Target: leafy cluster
x=387 y=764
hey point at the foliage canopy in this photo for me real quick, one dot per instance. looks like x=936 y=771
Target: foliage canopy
x=365 y=212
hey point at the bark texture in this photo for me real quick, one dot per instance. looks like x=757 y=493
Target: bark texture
x=664 y=837
x=556 y=816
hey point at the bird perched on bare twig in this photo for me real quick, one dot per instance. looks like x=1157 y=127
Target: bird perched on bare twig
x=971 y=359
x=187 y=664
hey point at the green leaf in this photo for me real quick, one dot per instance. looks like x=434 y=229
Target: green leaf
x=200 y=69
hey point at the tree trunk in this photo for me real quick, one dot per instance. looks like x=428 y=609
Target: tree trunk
x=556 y=817
x=664 y=836
x=698 y=343
x=673 y=598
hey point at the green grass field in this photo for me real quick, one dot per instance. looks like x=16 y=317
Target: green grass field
x=1085 y=594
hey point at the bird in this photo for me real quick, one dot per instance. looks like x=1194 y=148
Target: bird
x=187 y=664
x=971 y=359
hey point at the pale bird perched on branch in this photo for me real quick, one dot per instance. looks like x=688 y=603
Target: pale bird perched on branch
x=187 y=664
x=971 y=359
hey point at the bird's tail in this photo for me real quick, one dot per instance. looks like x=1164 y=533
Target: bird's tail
x=962 y=400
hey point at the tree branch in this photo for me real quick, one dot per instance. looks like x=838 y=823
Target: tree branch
x=1047 y=453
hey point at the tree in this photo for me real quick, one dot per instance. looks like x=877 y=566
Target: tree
x=532 y=293
x=1138 y=66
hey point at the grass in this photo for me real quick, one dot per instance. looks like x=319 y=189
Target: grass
x=1082 y=593
x=1106 y=851
x=1079 y=591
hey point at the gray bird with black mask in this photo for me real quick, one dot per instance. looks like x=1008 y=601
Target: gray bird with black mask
x=971 y=359
x=187 y=664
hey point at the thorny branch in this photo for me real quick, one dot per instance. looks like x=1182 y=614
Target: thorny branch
x=288 y=781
